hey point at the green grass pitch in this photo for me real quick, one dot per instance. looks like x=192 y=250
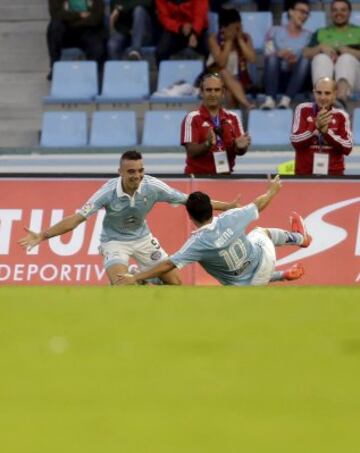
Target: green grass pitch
x=180 y=370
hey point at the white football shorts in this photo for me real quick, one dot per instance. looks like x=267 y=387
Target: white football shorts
x=146 y=251
x=267 y=266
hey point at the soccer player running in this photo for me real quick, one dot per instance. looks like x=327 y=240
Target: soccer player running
x=225 y=251
x=127 y=200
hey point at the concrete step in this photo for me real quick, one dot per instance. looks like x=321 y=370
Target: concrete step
x=21 y=94
x=24 y=49
x=23 y=2
x=14 y=12
x=20 y=132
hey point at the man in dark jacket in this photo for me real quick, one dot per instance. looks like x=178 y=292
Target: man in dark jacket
x=184 y=24
x=130 y=24
x=76 y=23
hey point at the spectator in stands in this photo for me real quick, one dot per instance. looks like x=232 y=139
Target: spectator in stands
x=130 y=23
x=211 y=135
x=216 y=5
x=335 y=51
x=230 y=52
x=321 y=134
x=76 y=23
x=285 y=67
x=184 y=24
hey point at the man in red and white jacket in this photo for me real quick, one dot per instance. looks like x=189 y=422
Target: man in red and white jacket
x=211 y=135
x=184 y=25
x=321 y=133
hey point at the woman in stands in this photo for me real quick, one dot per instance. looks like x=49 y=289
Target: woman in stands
x=285 y=67
x=230 y=52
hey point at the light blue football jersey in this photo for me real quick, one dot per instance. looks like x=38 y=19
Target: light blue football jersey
x=223 y=249
x=125 y=216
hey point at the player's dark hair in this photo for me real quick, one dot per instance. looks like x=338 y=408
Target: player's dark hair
x=198 y=206
x=228 y=16
x=342 y=1
x=130 y=155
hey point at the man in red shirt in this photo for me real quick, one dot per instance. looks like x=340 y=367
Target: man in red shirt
x=212 y=136
x=321 y=133
x=184 y=25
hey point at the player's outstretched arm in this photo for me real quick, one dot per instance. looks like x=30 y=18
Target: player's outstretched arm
x=225 y=206
x=156 y=271
x=263 y=200
x=67 y=224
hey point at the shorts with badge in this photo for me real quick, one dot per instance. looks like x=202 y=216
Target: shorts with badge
x=146 y=251
x=266 y=268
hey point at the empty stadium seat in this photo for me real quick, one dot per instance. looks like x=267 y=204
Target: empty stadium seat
x=73 y=82
x=270 y=128
x=316 y=20
x=125 y=81
x=64 y=129
x=213 y=20
x=174 y=71
x=355 y=18
x=113 y=129
x=356 y=126
x=257 y=24
x=162 y=128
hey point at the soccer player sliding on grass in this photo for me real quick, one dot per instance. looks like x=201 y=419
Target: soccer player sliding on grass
x=127 y=200
x=221 y=246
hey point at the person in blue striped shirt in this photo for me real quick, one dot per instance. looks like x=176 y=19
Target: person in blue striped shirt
x=127 y=200
x=222 y=247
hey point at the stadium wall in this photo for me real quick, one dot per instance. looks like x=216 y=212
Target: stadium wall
x=330 y=207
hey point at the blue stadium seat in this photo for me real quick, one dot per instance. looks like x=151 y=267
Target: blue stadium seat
x=355 y=18
x=270 y=128
x=257 y=24
x=316 y=20
x=64 y=129
x=213 y=20
x=174 y=71
x=113 y=129
x=356 y=126
x=238 y=113
x=73 y=82
x=125 y=81
x=162 y=128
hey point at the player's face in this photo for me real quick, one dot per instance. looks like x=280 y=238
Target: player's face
x=340 y=13
x=212 y=92
x=325 y=94
x=131 y=172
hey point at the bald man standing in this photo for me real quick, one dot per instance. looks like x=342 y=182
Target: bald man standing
x=321 y=134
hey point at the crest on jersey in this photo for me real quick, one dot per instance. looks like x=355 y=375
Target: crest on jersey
x=87 y=208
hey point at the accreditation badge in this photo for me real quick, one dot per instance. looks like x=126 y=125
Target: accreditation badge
x=321 y=164
x=221 y=162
